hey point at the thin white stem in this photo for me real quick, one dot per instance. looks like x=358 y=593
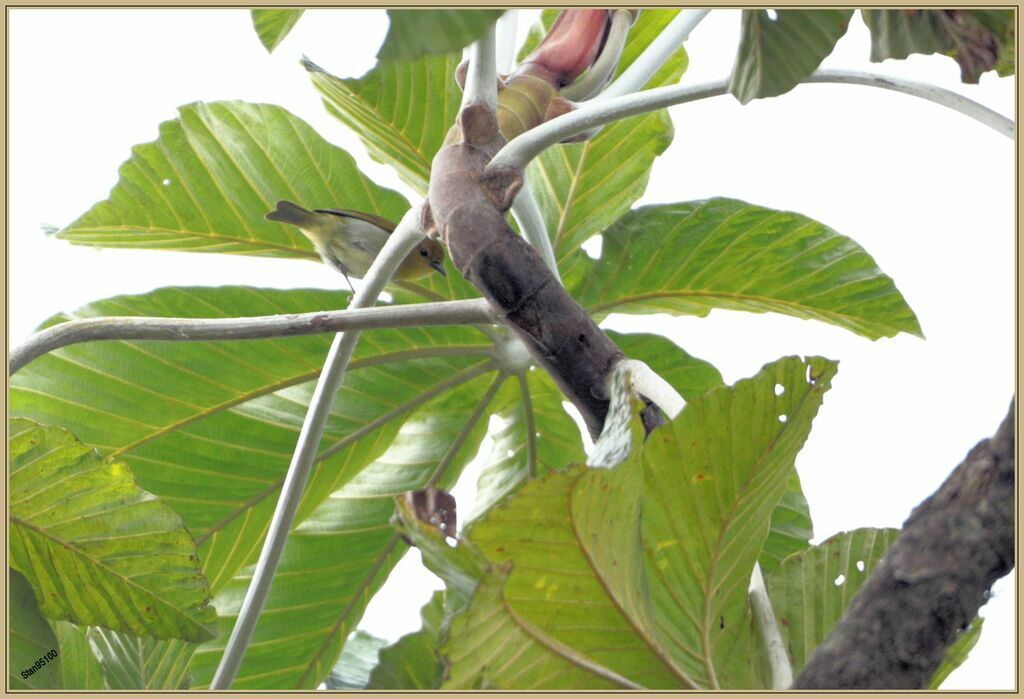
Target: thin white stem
x=399 y=244
x=650 y=384
x=932 y=93
x=655 y=55
x=531 y=223
x=508 y=25
x=518 y=152
x=764 y=619
x=247 y=328
x=482 y=76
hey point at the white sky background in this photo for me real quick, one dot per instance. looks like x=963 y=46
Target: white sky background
x=927 y=192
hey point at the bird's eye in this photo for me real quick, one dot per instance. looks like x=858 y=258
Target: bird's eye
x=423 y=252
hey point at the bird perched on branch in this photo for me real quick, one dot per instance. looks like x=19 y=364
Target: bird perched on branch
x=349 y=241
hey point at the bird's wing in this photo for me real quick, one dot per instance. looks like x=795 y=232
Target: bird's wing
x=383 y=223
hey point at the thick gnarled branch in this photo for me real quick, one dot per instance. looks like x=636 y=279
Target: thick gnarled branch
x=931 y=582
x=468 y=211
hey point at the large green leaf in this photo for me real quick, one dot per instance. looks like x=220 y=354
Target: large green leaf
x=97 y=549
x=582 y=188
x=210 y=427
x=689 y=258
x=272 y=26
x=491 y=646
x=29 y=640
x=712 y=480
x=401 y=110
x=979 y=40
x=776 y=54
x=130 y=662
x=205 y=184
x=554 y=597
x=339 y=555
x=811 y=590
x=416 y=33
x=638 y=576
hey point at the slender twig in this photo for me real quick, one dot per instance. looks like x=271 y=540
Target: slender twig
x=764 y=619
x=482 y=77
x=247 y=328
x=531 y=223
x=399 y=244
x=518 y=152
x=505 y=40
x=932 y=93
x=655 y=55
x=530 y=425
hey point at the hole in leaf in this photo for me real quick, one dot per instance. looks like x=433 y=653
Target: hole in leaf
x=860 y=566
x=840 y=580
x=166 y=183
x=772 y=15
x=782 y=418
x=779 y=389
x=510 y=453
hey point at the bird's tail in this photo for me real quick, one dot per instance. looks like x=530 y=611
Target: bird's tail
x=288 y=212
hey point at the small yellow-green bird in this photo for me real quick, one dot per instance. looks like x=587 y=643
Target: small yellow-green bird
x=350 y=240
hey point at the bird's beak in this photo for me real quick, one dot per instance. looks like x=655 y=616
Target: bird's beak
x=439 y=266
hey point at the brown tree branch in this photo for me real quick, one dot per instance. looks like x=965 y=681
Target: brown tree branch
x=930 y=583
x=467 y=211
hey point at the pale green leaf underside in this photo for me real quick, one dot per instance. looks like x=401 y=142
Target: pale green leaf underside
x=712 y=480
x=131 y=662
x=205 y=184
x=690 y=258
x=210 y=427
x=344 y=550
x=272 y=26
x=401 y=110
x=776 y=54
x=97 y=549
x=416 y=33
